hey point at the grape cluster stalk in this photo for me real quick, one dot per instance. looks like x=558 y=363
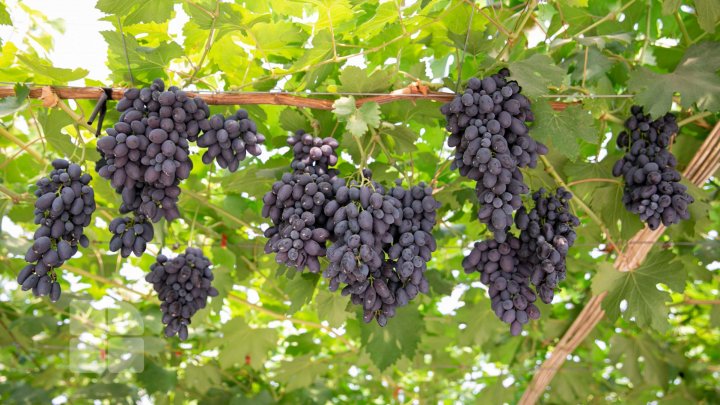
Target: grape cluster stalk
x=64 y=207
x=183 y=284
x=487 y=125
x=652 y=183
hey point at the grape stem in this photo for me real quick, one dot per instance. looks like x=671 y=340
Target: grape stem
x=12 y=138
x=579 y=202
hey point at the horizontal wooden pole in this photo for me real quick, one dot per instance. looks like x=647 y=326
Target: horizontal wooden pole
x=270 y=98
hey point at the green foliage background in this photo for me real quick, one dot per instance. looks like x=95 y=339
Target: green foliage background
x=272 y=338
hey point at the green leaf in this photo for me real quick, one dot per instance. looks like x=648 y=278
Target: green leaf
x=144 y=11
x=292 y=120
x=563 y=130
x=535 y=74
x=301 y=290
x=708 y=14
x=202 y=378
x=694 y=78
x=300 y=372
x=278 y=39
x=356 y=80
x=653 y=369
x=670 y=6
x=4 y=15
x=243 y=344
x=331 y=307
x=344 y=106
x=638 y=288
x=573 y=383
x=370 y=114
x=715 y=316
x=399 y=139
x=53 y=121
x=157 y=379
x=11 y=105
x=50 y=73
x=399 y=338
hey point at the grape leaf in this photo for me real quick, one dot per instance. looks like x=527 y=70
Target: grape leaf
x=13 y=104
x=563 y=130
x=399 y=338
x=358 y=119
x=573 y=383
x=670 y=6
x=638 y=288
x=4 y=16
x=344 y=106
x=202 y=378
x=694 y=78
x=535 y=74
x=292 y=120
x=356 y=80
x=157 y=379
x=708 y=14
x=653 y=369
x=300 y=372
x=48 y=72
x=301 y=290
x=256 y=342
x=331 y=307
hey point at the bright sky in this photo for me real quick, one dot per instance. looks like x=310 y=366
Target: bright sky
x=81 y=45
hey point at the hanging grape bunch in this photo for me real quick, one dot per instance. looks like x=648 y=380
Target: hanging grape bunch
x=146 y=151
x=491 y=140
x=229 y=140
x=507 y=278
x=383 y=242
x=652 y=184
x=313 y=154
x=64 y=207
x=131 y=235
x=183 y=284
x=536 y=258
x=547 y=233
x=300 y=203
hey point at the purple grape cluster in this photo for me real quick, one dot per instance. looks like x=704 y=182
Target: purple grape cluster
x=131 y=235
x=313 y=154
x=383 y=243
x=507 y=278
x=64 y=207
x=491 y=140
x=547 y=232
x=512 y=268
x=229 y=140
x=145 y=154
x=298 y=205
x=652 y=184
x=183 y=285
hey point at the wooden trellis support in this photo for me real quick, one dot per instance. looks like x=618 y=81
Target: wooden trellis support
x=411 y=92
x=702 y=166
